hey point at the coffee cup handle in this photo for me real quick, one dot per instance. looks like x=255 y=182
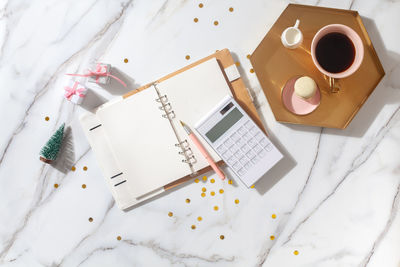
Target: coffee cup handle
x=333 y=85
x=296 y=25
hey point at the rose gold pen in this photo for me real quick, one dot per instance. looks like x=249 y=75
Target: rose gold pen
x=203 y=151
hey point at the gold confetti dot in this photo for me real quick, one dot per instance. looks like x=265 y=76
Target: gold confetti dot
x=199 y=218
x=90 y=219
x=248 y=56
x=119 y=238
x=193 y=227
x=221 y=191
x=196 y=180
x=205 y=178
x=216 y=23
x=231 y=9
x=126 y=60
x=251 y=71
x=204 y=189
x=252 y=186
x=272 y=237
x=55 y=185
x=222 y=237
x=236 y=201
x=170 y=214
x=46 y=118
x=212 y=181
x=273 y=216
x=187 y=200
x=201 y=5
x=212 y=193
x=295 y=252
x=216 y=208
x=84 y=168
x=230 y=181
x=237 y=63
x=187 y=57
x=83 y=186
x=196 y=20
x=73 y=168
x=203 y=194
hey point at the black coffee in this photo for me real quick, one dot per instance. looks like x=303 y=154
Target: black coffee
x=335 y=52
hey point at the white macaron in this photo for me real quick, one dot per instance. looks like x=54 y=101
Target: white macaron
x=305 y=87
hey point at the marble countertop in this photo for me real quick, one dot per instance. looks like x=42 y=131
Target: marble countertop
x=333 y=201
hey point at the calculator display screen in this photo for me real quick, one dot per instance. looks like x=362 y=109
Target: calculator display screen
x=223 y=125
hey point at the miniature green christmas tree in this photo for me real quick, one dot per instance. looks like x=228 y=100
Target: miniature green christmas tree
x=49 y=152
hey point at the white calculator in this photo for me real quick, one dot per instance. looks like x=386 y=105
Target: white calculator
x=238 y=141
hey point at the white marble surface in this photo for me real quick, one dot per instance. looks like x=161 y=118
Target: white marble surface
x=336 y=195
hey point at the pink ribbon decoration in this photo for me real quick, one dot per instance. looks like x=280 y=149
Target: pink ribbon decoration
x=100 y=71
x=71 y=91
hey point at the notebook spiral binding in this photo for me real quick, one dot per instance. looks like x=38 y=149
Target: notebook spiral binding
x=191 y=160
x=186 y=150
x=169 y=114
x=167 y=107
x=183 y=143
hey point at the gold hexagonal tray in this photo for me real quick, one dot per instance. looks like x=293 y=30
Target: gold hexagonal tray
x=274 y=65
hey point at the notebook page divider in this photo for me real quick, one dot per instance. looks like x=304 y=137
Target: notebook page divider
x=183 y=144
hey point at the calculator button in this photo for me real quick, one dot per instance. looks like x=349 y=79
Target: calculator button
x=241 y=171
x=259 y=136
x=244 y=160
x=221 y=149
x=228 y=143
x=268 y=147
x=254 y=130
x=255 y=160
x=238 y=154
x=245 y=148
x=236 y=166
x=264 y=142
x=242 y=130
x=227 y=155
x=246 y=136
x=234 y=149
x=248 y=125
x=251 y=154
x=240 y=142
x=232 y=160
x=257 y=148
x=252 y=142
x=247 y=166
x=262 y=153
x=235 y=137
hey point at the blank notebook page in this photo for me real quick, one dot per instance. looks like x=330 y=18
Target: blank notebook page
x=192 y=94
x=143 y=142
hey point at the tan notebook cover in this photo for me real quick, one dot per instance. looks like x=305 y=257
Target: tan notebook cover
x=237 y=88
x=147 y=138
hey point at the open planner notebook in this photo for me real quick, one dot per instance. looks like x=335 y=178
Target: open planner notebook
x=139 y=142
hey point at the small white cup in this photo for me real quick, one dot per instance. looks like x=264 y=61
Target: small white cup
x=292 y=37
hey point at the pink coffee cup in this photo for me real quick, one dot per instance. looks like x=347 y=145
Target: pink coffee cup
x=358 y=45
